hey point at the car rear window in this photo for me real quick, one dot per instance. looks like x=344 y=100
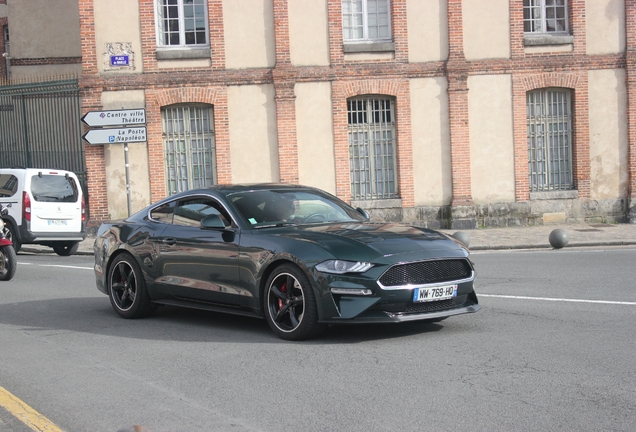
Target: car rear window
x=53 y=188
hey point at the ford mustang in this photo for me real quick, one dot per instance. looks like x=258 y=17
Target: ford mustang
x=296 y=256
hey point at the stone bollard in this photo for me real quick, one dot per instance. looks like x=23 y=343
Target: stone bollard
x=558 y=238
x=462 y=237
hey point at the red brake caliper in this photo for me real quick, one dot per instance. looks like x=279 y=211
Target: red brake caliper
x=280 y=301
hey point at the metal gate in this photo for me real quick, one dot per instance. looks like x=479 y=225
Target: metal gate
x=40 y=127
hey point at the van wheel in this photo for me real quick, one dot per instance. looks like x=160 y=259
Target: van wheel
x=11 y=235
x=65 y=248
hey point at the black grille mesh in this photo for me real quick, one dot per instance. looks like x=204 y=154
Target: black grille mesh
x=426 y=272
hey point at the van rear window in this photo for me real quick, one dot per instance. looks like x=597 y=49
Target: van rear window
x=54 y=188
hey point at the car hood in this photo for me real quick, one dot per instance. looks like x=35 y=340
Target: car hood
x=349 y=240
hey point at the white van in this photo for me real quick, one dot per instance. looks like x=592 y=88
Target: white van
x=46 y=206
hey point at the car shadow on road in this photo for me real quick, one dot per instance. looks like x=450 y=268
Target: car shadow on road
x=95 y=315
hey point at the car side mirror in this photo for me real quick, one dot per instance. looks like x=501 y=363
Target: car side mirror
x=363 y=212
x=212 y=221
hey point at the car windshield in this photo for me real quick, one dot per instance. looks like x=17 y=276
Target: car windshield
x=277 y=207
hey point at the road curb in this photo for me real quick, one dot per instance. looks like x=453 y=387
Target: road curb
x=548 y=246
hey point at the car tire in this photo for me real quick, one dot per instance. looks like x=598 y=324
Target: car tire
x=11 y=235
x=127 y=288
x=291 y=313
x=65 y=248
x=8 y=263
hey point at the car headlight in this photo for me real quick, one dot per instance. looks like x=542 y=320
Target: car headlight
x=341 y=267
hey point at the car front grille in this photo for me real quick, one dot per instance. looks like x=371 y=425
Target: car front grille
x=426 y=272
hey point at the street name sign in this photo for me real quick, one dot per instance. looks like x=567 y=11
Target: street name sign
x=116 y=135
x=115 y=117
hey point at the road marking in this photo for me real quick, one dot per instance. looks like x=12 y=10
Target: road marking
x=27 y=415
x=58 y=265
x=549 y=250
x=559 y=299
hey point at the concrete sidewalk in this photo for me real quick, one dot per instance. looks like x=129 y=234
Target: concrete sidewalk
x=535 y=237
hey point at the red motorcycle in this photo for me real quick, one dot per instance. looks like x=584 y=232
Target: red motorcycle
x=8 y=257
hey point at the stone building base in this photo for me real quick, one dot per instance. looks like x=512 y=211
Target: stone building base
x=526 y=213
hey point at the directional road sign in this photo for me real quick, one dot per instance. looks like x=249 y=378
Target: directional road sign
x=116 y=135
x=115 y=117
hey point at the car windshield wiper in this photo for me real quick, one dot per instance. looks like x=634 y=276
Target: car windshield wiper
x=280 y=224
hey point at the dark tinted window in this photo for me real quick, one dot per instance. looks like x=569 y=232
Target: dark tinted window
x=8 y=185
x=54 y=188
x=190 y=212
x=163 y=213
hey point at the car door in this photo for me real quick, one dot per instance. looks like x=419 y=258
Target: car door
x=199 y=263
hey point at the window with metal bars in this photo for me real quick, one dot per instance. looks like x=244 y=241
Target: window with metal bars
x=372 y=158
x=549 y=117
x=366 y=20
x=545 y=16
x=181 y=23
x=189 y=148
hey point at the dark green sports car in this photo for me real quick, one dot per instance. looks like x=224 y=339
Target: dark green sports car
x=297 y=256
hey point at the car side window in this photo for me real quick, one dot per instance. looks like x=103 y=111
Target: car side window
x=189 y=212
x=163 y=213
x=8 y=185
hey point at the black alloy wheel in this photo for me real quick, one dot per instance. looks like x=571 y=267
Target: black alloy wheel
x=127 y=288
x=290 y=306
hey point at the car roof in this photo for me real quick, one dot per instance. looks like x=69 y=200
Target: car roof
x=228 y=189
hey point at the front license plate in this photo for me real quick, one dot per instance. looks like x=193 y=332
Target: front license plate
x=434 y=293
x=56 y=222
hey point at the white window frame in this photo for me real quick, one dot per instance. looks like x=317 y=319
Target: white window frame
x=365 y=22
x=161 y=31
x=542 y=6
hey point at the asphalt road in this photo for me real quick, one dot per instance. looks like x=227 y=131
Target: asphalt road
x=552 y=349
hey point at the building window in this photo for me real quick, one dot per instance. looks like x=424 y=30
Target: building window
x=545 y=16
x=372 y=159
x=549 y=140
x=189 y=148
x=366 y=20
x=182 y=23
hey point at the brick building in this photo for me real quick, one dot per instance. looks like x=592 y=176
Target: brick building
x=443 y=113
x=4 y=38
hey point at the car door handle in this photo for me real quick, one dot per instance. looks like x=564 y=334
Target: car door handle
x=170 y=241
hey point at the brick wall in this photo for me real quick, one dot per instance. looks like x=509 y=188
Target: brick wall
x=351 y=78
x=3 y=63
x=630 y=24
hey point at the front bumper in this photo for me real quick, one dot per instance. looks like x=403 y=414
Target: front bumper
x=376 y=304
x=352 y=309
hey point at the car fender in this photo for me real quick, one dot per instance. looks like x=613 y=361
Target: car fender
x=304 y=256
